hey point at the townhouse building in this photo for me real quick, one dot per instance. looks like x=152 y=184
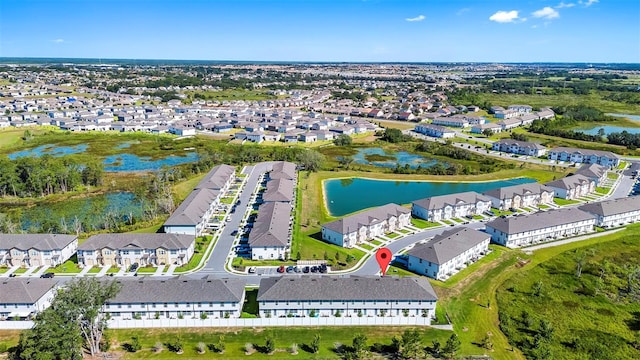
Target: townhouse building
x=447 y=253
x=178 y=297
x=615 y=212
x=23 y=298
x=453 y=122
x=595 y=172
x=435 y=131
x=519 y=147
x=444 y=207
x=479 y=129
x=193 y=214
x=518 y=196
x=358 y=228
x=29 y=250
x=362 y=296
x=584 y=156
x=518 y=231
x=270 y=236
x=509 y=123
x=123 y=250
x=572 y=187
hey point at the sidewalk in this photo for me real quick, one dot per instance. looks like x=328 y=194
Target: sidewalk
x=10 y=271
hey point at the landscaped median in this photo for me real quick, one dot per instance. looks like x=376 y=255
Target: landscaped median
x=204 y=246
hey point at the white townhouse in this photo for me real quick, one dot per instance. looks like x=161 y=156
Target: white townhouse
x=270 y=236
x=479 y=129
x=178 y=297
x=520 y=109
x=122 y=250
x=28 y=250
x=518 y=196
x=519 y=147
x=279 y=190
x=614 y=212
x=435 y=131
x=518 y=231
x=509 y=123
x=193 y=214
x=572 y=187
x=358 y=228
x=584 y=156
x=349 y=296
x=23 y=298
x=447 y=253
x=443 y=207
x=453 y=122
x=595 y=172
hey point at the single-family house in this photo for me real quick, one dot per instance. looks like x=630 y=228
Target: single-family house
x=447 y=253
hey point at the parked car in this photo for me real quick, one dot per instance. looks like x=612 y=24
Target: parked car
x=252 y=270
x=234 y=233
x=133 y=267
x=289 y=269
x=281 y=269
x=48 y=275
x=305 y=269
x=314 y=269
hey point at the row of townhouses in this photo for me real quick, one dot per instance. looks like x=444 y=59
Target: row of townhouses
x=574 y=155
x=364 y=226
x=29 y=250
x=286 y=296
x=270 y=236
x=194 y=213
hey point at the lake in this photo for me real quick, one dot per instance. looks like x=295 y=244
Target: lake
x=402 y=158
x=49 y=149
x=129 y=162
x=628 y=116
x=609 y=129
x=345 y=196
x=90 y=211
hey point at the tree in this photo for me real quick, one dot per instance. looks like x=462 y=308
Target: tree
x=451 y=346
x=546 y=330
x=310 y=160
x=580 y=263
x=392 y=135
x=343 y=140
x=537 y=288
x=409 y=344
x=74 y=319
x=269 y=346
x=315 y=344
x=487 y=132
x=359 y=346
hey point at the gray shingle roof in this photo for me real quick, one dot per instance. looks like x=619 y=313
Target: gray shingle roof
x=522 y=144
x=216 y=178
x=539 y=220
x=509 y=192
x=438 y=202
x=613 y=207
x=24 y=290
x=593 y=171
x=569 y=182
x=448 y=245
x=179 y=289
x=191 y=211
x=370 y=217
x=271 y=227
x=141 y=241
x=349 y=288
x=585 y=152
x=283 y=170
x=281 y=189
x=35 y=241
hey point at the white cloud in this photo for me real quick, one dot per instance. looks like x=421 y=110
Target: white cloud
x=58 y=41
x=563 y=5
x=546 y=13
x=417 y=18
x=587 y=3
x=504 y=16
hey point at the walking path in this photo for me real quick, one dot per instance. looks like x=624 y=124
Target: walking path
x=570 y=240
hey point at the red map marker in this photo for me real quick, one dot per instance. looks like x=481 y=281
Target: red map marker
x=383 y=255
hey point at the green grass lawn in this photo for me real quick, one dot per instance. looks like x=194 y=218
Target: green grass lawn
x=202 y=243
x=68 y=267
x=21 y=270
x=423 y=224
x=591 y=314
x=477 y=217
x=563 y=202
x=366 y=246
x=3 y=269
x=448 y=222
x=392 y=235
x=543 y=206
x=612 y=176
x=147 y=270
x=94 y=270
x=458 y=220
x=395 y=270
x=250 y=306
x=602 y=190
x=498 y=212
x=235 y=340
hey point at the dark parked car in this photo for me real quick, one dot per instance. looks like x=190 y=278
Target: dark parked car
x=305 y=269
x=289 y=269
x=133 y=267
x=314 y=269
x=234 y=233
x=48 y=275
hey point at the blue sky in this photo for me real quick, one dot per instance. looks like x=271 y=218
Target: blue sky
x=324 y=30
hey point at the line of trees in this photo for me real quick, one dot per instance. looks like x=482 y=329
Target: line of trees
x=46 y=175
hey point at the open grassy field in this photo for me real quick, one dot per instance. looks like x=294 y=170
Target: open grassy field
x=594 y=314
x=232 y=94
x=594 y=99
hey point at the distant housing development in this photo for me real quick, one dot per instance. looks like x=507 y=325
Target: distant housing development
x=363 y=296
x=28 y=250
x=366 y=225
x=544 y=226
x=447 y=253
x=584 y=156
x=144 y=249
x=444 y=207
